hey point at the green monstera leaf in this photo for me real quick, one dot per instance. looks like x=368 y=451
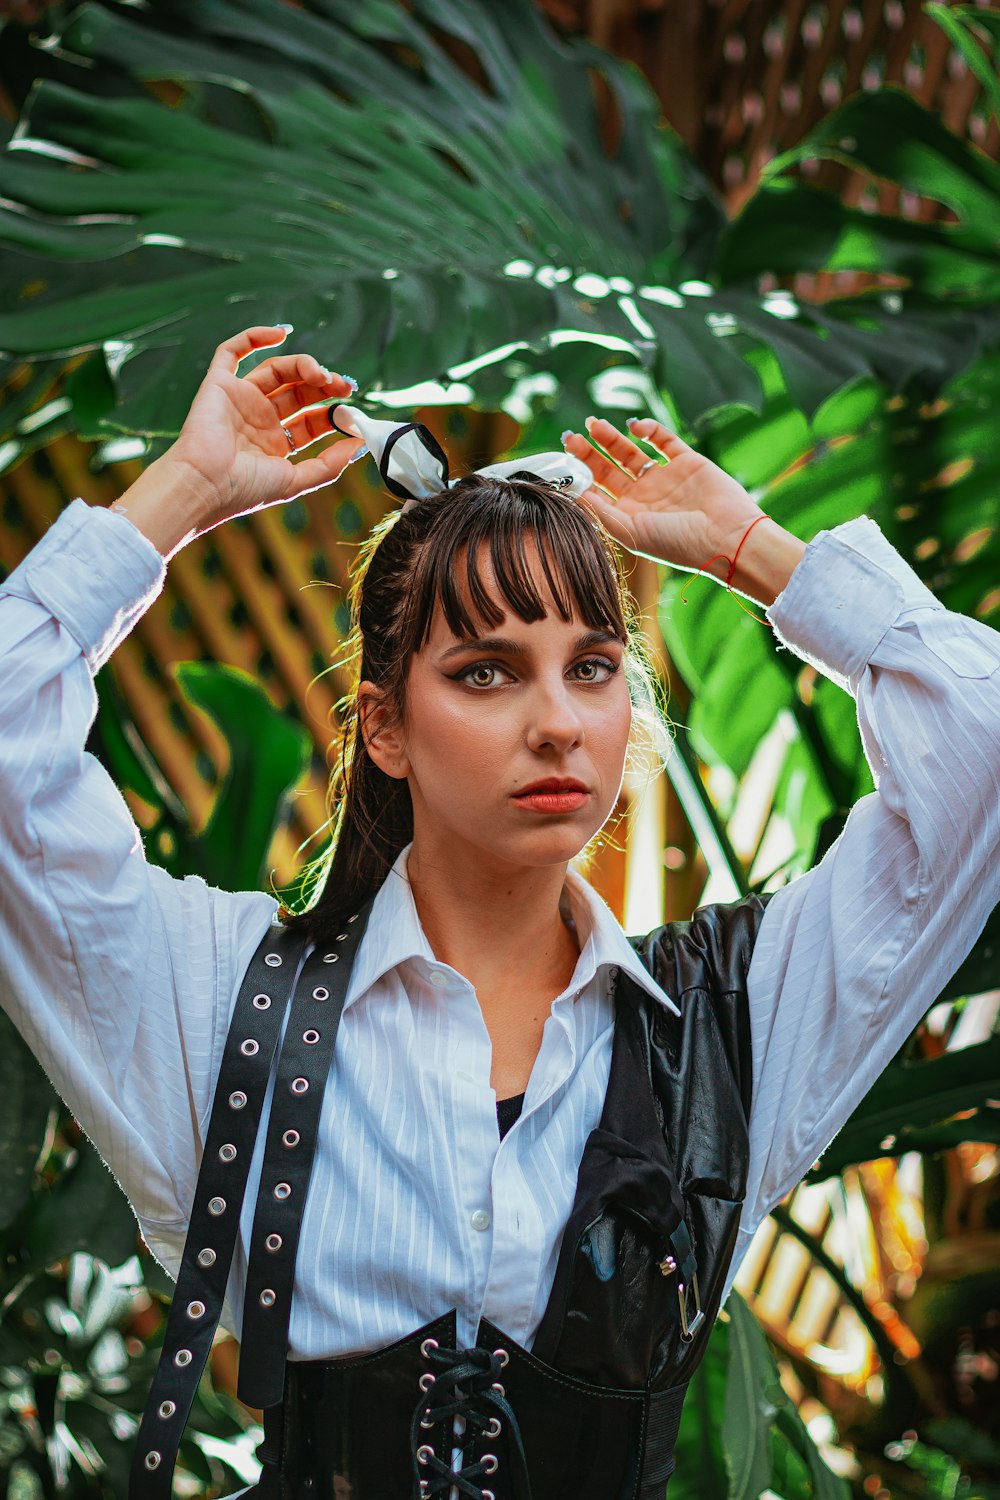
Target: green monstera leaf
x=419 y=190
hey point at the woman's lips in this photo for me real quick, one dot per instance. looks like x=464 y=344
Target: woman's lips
x=554 y=798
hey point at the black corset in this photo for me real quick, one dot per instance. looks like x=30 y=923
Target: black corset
x=346 y=1429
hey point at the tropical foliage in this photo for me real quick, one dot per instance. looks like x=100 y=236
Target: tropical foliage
x=448 y=199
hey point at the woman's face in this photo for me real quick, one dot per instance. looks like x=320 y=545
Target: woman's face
x=488 y=719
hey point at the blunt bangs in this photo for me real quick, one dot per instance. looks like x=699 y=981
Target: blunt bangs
x=496 y=520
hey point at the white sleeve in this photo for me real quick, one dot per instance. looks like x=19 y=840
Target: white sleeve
x=850 y=956
x=119 y=977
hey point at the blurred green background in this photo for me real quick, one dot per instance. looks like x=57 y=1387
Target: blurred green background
x=774 y=226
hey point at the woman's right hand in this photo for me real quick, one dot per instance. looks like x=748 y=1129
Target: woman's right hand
x=232 y=454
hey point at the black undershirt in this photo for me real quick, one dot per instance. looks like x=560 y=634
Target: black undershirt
x=507 y=1112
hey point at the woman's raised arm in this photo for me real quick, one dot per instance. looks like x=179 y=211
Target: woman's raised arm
x=119 y=977
x=851 y=954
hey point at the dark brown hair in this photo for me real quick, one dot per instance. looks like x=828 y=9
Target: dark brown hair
x=414 y=561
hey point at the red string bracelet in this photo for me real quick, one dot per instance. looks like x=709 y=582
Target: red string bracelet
x=732 y=572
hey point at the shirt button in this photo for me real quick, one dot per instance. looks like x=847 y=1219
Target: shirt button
x=480 y=1219
x=438 y=980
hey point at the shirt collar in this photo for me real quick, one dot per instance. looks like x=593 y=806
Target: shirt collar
x=394 y=935
x=603 y=943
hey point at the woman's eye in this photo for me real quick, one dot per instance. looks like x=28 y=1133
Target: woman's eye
x=481 y=674
x=596 y=669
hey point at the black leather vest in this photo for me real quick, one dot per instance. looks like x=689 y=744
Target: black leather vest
x=591 y=1410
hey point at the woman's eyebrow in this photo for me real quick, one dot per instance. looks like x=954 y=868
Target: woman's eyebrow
x=506 y=647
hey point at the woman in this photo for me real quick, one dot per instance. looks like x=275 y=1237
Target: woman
x=537 y=1149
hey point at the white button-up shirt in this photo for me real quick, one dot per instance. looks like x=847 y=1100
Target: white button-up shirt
x=123 y=979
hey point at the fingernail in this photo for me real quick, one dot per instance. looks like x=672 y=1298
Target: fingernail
x=350 y=381
x=630 y=421
x=286 y=326
x=567 y=434
x=360 y=454
x=327 y=374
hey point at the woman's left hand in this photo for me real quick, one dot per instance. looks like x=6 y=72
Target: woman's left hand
x=681 y=512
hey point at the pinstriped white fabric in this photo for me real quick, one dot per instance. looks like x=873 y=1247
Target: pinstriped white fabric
x=122 y=980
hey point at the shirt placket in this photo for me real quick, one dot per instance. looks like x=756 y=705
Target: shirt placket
x=517 y=1240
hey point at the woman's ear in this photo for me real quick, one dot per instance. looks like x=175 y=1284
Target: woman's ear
x=383 y=739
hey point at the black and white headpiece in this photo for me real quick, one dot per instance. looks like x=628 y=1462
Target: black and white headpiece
x=413 y=464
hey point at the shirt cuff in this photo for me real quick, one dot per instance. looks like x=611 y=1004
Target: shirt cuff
x=95 y=573
x=848 y=589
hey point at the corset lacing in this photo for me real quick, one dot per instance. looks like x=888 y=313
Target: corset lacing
x=464 y=1383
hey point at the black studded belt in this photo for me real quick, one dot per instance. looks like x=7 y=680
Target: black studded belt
x=313 y=1003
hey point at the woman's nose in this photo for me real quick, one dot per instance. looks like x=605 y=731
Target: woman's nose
x=555 y=720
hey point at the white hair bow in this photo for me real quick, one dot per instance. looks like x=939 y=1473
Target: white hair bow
x=413 y=464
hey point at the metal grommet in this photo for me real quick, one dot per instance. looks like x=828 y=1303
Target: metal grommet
x=503 y=1357
x=227 y=1152
x=152 y=1460
x=196 y=1309
x=216 y=1206
x=496 y=1386
x=427 y=1346
x=237 y=1100
x=424 y=1454
x=494 y=1429
x=490 y=1463
x=290 y=1138
x=182 y=1358
x=342 y=936
x=319 y=993
x=167 y=1409
x=267 y=1297
x=355 y=917
x=330 y=958
x=310 y=1037
x=273 y=1242
x=274 y=959
x=489 y=1495
x=299 y=1085
x=249 y=1048
x=206 y=1257
x=262 y=1001
x=426 y=1381
x=283 y=1190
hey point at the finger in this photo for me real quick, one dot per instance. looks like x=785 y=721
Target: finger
x=607 y=474
x=624 y=452
x=290 y=400
x=308 y=426
x=287 y=371
x=610 y=517
x=658 y=436
x=228 y=354
x=327 y=466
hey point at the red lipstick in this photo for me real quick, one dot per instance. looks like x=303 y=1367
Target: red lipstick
x=553 y=794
